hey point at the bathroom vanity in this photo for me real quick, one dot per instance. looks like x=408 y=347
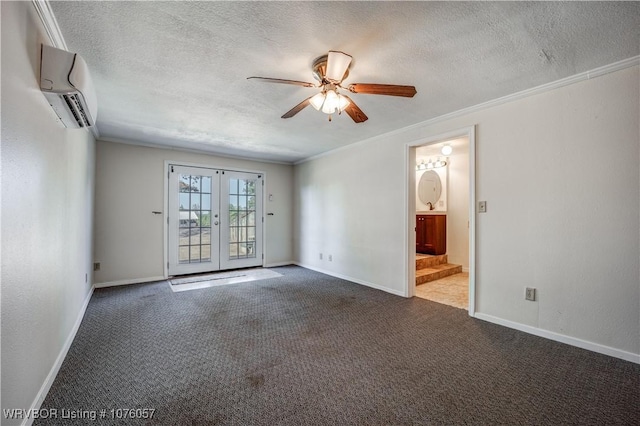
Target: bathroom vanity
x=431 y=233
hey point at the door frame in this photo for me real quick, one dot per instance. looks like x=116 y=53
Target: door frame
x=165 y=186
x=410 y=208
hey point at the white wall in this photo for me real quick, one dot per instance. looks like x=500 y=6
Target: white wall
x=458 y=205
x=47 y=211
x=557 y=219
x=349 y=205
x=129 y=238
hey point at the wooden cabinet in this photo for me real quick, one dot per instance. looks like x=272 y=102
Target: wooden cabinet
x=431 y=234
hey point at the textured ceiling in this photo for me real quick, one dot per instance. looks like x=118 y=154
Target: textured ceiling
x=174 y=73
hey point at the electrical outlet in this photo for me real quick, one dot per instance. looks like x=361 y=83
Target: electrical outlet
x=330 y=258
x=482 y=206
x=320 y=256
x=96 y=266
x=530 y=294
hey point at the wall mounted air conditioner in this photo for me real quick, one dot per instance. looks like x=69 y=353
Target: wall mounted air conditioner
x=67 y=85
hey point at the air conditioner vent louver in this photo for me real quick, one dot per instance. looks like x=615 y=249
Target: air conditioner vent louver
x=77 y=110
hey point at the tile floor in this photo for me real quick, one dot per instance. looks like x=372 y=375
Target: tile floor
x=452 y=290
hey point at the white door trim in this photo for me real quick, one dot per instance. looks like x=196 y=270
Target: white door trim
x=165 y=230
x=410 y=209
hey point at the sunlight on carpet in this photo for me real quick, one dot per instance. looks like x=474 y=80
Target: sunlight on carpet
x=221 y=278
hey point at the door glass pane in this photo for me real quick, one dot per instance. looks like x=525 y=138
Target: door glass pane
x=184 y=183
x=206 y=185
x=251 y=187
x=205 y=236
x=195 y=201
x=242 y=219
x=183 y=254
x=195 y=219
x=233 y=202
x=233 y=234
x=205 y=219
x=195 y=183
x=183 y=240
x=195 y=237
x=205 y=202
x=184 y=201
x=233 y=186
x=195 y=253
x=205 y=253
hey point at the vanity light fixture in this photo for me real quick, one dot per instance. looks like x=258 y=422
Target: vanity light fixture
x=430 y=165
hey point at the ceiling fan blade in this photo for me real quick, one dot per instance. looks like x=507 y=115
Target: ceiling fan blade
x=296 y=109
x=355 y=112
x=337 y=64
x=383 y=89
x=282 y=81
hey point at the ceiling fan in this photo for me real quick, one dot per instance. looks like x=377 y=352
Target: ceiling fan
x=331 y=70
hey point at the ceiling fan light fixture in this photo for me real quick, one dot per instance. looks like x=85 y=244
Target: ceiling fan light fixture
x=317 y=101
x=343 y=102
x=331 y=102
x=337 y=65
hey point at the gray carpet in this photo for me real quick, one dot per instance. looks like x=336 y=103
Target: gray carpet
x=308 y=349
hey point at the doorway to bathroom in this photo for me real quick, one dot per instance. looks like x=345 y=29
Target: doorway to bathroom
x=442 y=220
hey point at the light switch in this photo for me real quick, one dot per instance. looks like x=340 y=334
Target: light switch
x=482 y=206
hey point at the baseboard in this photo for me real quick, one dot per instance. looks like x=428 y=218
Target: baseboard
x=127 y=282
x=465 y=269
x=44 y=389
x=355 y=280
x=276 y=264
x=573 y=341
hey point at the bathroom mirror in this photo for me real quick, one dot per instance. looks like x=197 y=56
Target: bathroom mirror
x=430 y=188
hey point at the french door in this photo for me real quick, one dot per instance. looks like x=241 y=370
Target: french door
x=215 y=220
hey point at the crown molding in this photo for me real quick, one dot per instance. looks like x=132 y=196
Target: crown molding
x=50 y=23
x=211 y=153
x=587 y=75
